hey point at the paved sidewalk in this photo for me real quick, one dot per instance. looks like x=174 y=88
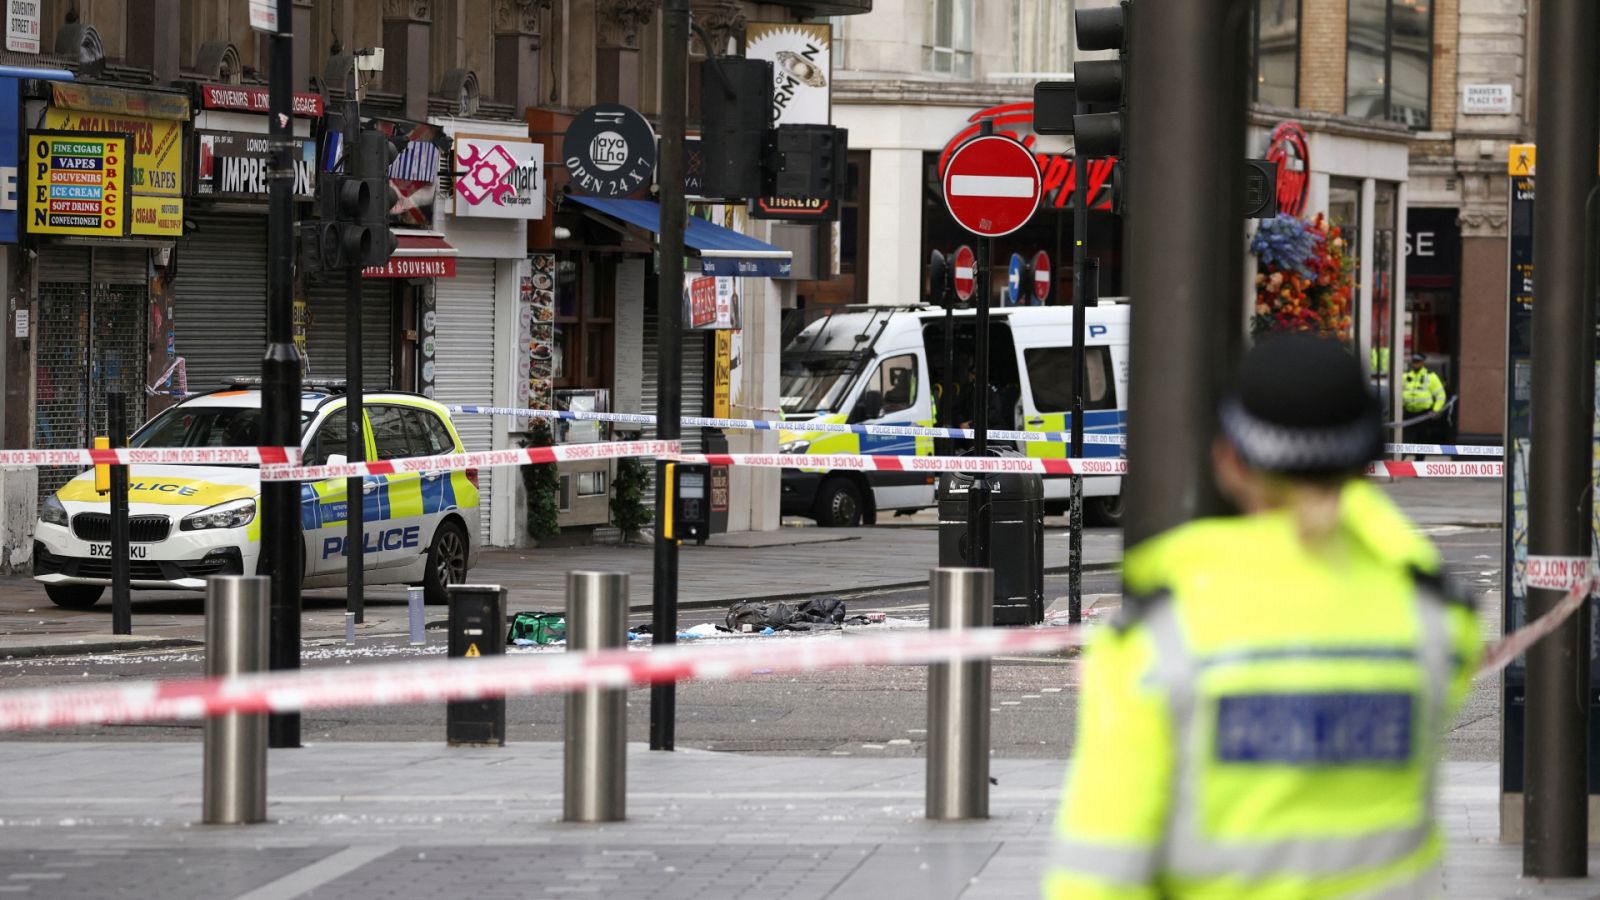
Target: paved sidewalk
x=420 y=820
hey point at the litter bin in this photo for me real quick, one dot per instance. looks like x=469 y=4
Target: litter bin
x=1016 y=539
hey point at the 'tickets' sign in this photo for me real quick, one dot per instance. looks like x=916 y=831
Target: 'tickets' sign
x=77 y=184
x=499 y=178
x=802 y=67
x=233 y=166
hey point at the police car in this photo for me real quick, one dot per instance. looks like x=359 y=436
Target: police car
x=189 y=522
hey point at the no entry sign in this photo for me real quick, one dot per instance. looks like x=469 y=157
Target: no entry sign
x=966 y=272
x=992 y=185
x=1042 y=276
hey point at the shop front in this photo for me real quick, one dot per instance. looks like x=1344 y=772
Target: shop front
x=102 y=204
x=472 y=338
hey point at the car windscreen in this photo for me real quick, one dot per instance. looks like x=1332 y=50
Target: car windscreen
x=205 y=426
x=815 y=383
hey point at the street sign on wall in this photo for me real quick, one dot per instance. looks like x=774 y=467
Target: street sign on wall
x=992 y=185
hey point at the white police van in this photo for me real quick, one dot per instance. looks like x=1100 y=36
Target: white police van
x=189 y=522
x=882 y=365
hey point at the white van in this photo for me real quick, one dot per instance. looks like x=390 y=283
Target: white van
x=893 y=366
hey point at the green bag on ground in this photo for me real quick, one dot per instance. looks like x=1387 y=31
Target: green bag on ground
x=537 y=627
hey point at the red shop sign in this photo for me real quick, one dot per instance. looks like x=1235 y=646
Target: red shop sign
x=1059 y=170
x=413 y=267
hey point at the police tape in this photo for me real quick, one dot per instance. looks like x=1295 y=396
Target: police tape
x=482 y=459
x=995 y=434
x=195 y=456
x=929 y=464
x=1436 y=469
x=1553 y=573
x=389 y=684
x=1446 y=449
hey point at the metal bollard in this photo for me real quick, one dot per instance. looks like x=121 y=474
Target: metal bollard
x=595 y=782
x=235 y=766
x=958 y=701
x=414 y=600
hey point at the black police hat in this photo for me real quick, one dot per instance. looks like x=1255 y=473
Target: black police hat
x=1301 y=407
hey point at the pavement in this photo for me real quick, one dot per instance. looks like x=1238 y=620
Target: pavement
x=385 y=820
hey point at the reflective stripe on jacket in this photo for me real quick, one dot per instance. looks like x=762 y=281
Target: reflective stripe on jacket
x=1422 y=391
x=1266 y=725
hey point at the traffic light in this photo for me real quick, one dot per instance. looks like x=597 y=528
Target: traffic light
x=805 y=162
x=1260 y=199
x=938 y=292
x=735 y=106
x=361 y=201
x=1101 y=83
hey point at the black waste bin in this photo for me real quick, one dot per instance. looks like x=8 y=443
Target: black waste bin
x=1016 y=539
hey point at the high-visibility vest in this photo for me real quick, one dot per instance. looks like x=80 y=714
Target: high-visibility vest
x=1380 y=360
x=1422 y=391
x=1267 y=722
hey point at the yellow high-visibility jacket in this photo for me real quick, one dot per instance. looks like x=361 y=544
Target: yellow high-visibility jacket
x=1422 y=391
x=1265 y=722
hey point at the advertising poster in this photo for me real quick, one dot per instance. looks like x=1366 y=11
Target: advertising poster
x=536 y=314
x=155 y=168
x=229 y=165
x=802 y=67
x=77 y=184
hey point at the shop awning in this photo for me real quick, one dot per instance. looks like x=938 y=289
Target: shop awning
x=418 y=254
x=722 y=251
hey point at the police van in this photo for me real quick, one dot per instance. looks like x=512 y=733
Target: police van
x=189 y=522
x=880 y=365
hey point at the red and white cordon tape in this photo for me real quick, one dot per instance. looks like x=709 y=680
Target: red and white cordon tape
x=1573 y=574
x=482 y=459
x=195 y=456
x=390 y=684
x=1436 y=469
x=930 y=464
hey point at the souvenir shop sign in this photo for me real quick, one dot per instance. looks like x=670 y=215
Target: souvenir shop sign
x=77 y=184
x=234 y=166
x=610 y=150
x=256 y=100
x=155 y=170
x=499 y=178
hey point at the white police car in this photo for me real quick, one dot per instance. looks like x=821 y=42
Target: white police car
x=188 y=522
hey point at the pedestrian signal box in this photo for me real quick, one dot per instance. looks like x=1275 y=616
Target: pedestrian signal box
x=691 y=510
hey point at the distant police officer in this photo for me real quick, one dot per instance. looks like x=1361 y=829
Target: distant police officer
x=1422 y=393
x=1263 y=719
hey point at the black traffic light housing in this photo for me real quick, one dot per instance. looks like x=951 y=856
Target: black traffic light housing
x=940 y=292
x=805 y=161
x=1099 y=133
x=363 y=203
x=1260 y=200
x=735 y=110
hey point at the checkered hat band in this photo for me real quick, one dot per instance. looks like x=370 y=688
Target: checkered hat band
x=1276 y=448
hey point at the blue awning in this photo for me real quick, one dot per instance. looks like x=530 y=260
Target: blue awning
x=722 y=251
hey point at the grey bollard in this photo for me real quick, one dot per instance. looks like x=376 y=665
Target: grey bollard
x=235 y=766
x=958 y=701
x=594 y=786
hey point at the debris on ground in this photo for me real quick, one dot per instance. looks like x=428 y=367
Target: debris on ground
x=815 y=613
x=536 y=628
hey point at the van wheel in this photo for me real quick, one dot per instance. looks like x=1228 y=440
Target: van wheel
x=1107 y=511
x=447 y=562
x=74 y=596
x=838 y=504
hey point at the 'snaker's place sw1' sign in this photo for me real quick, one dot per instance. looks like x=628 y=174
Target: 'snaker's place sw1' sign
x=609 y=150
x=499 y=177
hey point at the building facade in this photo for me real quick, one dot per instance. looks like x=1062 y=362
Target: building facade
x=174 y=301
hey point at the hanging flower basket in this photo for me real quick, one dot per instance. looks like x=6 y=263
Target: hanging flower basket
x=1305 y=278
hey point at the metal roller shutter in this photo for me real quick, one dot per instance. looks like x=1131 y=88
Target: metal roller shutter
x=693 y=391
x=464 y=359
x=220 y=298
x=325 y=302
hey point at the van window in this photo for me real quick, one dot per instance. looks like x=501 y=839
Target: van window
x=1050 y=373
x=890 y=389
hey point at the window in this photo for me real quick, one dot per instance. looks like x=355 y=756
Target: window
x=400 y=431
x=1050 y=377
x=333 y=438
x=1043 y=35
x=1275 y=52
x=1389 y=61
x=890 y=389
x=947 y=42
x=440 y=441
x=585 y=294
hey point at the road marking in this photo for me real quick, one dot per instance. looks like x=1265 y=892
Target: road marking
x=872 y=746
x=1030 y=696
x=319 y=873
x=1050 y=690
x=894 y=741
x=1010 y=702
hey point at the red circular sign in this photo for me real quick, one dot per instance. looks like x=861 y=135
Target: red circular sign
x=965 y=272
x=992 y=185
x=1042 y=276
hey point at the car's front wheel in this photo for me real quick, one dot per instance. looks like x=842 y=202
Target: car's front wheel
x=74 y=596
x=447 y=562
